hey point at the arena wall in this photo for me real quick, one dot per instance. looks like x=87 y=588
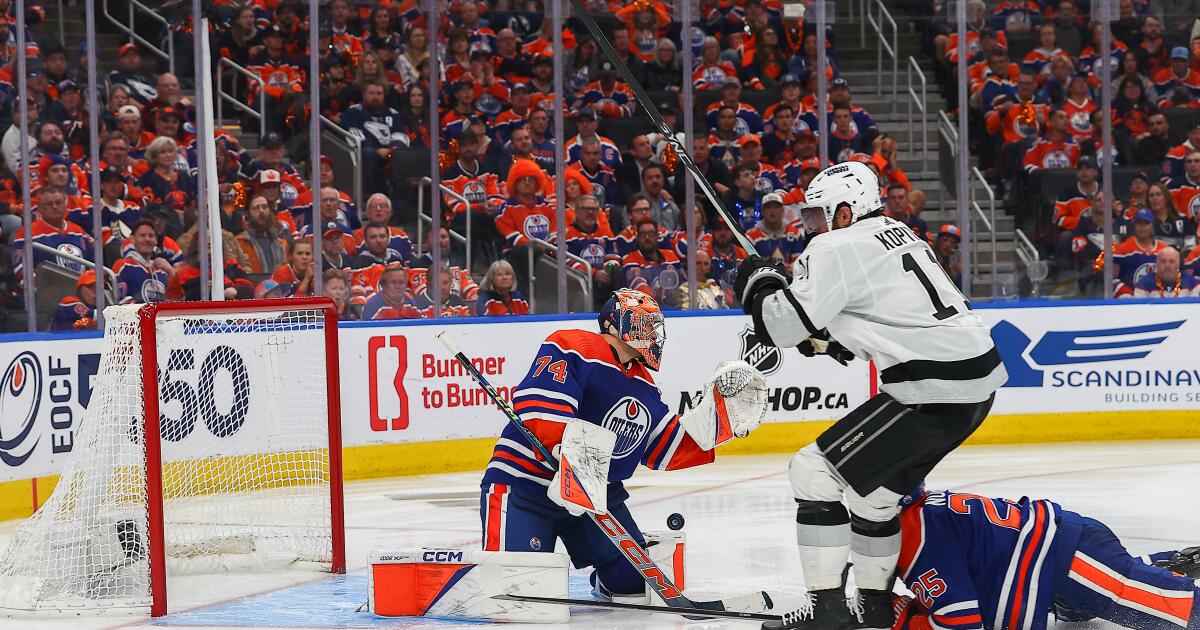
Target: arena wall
x=1078 y=371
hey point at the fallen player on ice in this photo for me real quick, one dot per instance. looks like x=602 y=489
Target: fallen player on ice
x=973 y=562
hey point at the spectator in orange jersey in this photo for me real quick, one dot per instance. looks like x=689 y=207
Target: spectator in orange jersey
x=1185 y=189
x=1054 y=150
x=1076 y=200
x=1015 y=118
x=498 y=294
x=298 y=271
x=393 y=300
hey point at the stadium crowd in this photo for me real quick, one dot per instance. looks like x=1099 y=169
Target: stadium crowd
x=1034 y=79
x=625 y=208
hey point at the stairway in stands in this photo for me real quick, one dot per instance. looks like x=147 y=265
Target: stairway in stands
x=871 y=84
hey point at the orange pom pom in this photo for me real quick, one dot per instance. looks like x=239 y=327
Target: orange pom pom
x=670 y=159
x=84 y=323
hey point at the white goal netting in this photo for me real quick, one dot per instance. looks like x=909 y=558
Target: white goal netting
x=245 y=477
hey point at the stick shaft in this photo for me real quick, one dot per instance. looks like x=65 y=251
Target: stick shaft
x=695 y=612
x=613 y=530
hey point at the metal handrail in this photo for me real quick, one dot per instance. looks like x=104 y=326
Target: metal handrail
x=128 y=29
x=353 y=146
x=585 y=277
x=570 y=271
x=1024 y=247
x=946 y=125
x=920 y=102
x=425 y=181
x=988 y=220
x=882 y=43
x=42 y=247
x=223 y=96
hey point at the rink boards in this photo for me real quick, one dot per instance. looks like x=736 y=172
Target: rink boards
x=1077 y=371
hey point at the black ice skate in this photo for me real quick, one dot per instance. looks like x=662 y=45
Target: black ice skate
x=1185 y=562
x=872 y=610
x=824 y=610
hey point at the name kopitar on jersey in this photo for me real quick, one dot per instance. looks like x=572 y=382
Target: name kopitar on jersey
x=896 y=236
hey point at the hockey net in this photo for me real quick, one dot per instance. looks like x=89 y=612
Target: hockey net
x=211 y=443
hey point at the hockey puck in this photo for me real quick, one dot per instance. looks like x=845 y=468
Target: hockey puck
x=675 y=521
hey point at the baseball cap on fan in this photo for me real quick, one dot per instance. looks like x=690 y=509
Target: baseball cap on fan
x=773 y=197
x=269 y=176
x=129 y=111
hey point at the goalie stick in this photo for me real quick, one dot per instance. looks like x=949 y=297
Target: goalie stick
x=691 y=613
x=668 y=134
x=612 y=529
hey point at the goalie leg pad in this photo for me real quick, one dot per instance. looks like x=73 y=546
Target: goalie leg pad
x=460 y=584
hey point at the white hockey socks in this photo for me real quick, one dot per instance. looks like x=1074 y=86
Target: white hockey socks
x=823 y=534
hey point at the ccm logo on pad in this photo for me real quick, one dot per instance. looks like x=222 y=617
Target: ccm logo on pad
x=442 y=556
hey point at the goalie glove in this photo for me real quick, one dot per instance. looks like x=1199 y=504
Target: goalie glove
x=732 y=405
x=581 y=483
x=821 y=343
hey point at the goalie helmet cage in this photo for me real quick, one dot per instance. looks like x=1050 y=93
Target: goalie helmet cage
x=237 y=464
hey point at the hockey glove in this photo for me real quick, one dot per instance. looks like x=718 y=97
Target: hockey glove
x=820 y=343
x=908 y=615
x=756 y=275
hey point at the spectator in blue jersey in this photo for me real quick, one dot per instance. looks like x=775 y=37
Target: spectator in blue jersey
x=652 y=268
x=376 y=248
x=333 y=247
x=498 y=294
x=844 y=137
x=745 y=198
x=1167 y=281
x=967 y=559
x=543 y=144
x=51 y=228
x=78 y=310
x=380 y=129
x=142 y=277
x=748 y=119
x=773 y=237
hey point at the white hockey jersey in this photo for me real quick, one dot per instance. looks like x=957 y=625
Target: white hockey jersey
x=880 y=292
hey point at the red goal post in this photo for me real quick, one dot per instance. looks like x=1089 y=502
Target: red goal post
x=148 y=315
x=212 y=443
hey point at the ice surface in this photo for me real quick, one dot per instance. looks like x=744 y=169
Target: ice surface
x=741 y=537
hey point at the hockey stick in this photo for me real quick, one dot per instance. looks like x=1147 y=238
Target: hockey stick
x=639 y=93
x=691 y=613
x=611 y=527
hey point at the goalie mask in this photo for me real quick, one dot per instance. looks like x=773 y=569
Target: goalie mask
x=840 y=195
x=635 y=318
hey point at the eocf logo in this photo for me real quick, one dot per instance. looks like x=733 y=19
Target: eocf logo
x=20 y=398
x=387 y=361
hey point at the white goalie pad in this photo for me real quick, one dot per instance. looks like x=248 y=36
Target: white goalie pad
x=460 y=584
x=581 y=483
x=732 y=405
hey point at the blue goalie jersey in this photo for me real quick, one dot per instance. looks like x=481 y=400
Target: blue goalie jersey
x=576 y=375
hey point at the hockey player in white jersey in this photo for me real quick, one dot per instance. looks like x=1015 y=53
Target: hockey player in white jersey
x=867 y=287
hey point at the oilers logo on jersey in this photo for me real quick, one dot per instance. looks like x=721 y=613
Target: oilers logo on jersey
x=629 y=419
x=537 y=226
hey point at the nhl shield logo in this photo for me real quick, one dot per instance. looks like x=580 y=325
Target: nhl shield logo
x=766 y=358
